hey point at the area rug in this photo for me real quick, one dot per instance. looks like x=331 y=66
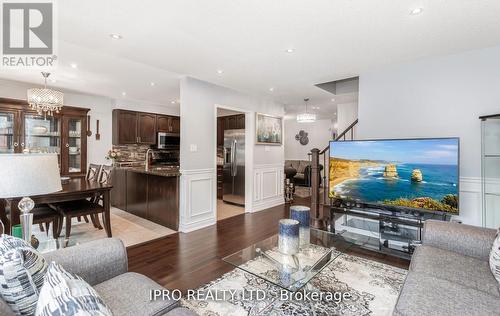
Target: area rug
x=373 y=289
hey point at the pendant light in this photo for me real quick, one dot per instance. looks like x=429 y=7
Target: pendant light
x=306 y=117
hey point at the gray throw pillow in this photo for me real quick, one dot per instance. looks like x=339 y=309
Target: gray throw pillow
x=66 y=294
x=22 y=269
x=495 y=257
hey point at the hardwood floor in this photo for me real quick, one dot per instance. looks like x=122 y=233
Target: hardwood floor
x=187 y=261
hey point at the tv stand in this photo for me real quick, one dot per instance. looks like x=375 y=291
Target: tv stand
x=389 y=230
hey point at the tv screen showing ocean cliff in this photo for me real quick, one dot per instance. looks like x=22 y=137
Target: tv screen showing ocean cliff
x=414 y=173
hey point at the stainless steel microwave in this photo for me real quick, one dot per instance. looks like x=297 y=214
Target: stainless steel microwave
x=168 y=140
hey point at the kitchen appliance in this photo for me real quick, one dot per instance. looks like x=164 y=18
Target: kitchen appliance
x=168 y=140
x=233 y=189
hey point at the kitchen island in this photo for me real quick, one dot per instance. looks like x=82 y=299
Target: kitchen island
x=152 y=194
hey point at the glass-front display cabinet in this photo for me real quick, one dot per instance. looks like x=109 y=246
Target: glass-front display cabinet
x=490 y=164
x=22 y=130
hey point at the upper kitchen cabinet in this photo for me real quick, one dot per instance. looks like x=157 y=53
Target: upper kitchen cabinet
x=146 y=128
x=124 y=127
x=23 y=130
x=168 y=124
x=131 y=127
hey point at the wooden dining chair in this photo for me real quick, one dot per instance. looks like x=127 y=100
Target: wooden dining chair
x=93 y=174
x=91 y=208
x=44 y=215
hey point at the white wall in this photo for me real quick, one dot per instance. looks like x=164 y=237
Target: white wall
x=264 y=164
x=100 y=109
x=319 y=134
x=436 y=97
x=347 y=113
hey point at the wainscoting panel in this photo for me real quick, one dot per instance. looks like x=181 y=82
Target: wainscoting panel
x=197 y=199
x=471 y=202
x=268 y=186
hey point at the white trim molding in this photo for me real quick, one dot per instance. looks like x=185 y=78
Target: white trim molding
x=471 y=201
x=268 y=186
x=197 y=207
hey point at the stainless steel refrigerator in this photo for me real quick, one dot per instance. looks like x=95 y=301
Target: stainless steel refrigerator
x=233 y=188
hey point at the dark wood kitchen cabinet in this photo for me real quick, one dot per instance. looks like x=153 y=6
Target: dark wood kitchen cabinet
x=64 y=133
x=163 y=123
x=168 y=124
x=137 y=193
x=146 y=128
x=131 y=127
x=124 y=127
x=153 y=197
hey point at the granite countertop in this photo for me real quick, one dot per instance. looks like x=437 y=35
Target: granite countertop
x=157 y=171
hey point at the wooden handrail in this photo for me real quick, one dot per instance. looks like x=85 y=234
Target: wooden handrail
x=349 y=128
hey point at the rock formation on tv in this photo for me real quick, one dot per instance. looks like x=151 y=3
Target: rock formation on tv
x=391 y=171
x=416 y=175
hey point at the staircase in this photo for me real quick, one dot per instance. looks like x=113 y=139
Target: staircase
x=320 y=202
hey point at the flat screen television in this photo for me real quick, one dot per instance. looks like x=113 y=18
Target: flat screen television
x=418 y=174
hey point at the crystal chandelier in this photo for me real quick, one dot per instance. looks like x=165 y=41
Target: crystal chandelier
x=306 y=117
x=45 y=101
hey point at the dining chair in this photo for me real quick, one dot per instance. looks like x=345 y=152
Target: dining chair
x=91 y=207
x=93 y=174
x=44 y=215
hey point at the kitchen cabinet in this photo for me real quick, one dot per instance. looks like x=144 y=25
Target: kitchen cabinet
x=146 y=128
x=131 y=127
x=64 y=133
x=137 y=193
x=124 y=127
x=168 y=124
x=150 y=196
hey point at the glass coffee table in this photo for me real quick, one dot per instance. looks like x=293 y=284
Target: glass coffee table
x=291 y=273
x=55 y=244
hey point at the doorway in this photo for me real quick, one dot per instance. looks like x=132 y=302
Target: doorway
x=230 y=163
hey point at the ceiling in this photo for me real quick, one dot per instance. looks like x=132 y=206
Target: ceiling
x=248 y=42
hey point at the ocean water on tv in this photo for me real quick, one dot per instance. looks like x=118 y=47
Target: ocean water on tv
x=371 y=186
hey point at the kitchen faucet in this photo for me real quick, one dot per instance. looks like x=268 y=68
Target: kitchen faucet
x=147 y=158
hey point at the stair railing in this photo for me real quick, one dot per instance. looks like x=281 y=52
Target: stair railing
x=320 y=200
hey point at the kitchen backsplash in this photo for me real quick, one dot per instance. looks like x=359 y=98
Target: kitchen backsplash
x=131 y=152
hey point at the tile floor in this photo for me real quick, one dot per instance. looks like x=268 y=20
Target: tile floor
x=131 y=229
x=225 y=210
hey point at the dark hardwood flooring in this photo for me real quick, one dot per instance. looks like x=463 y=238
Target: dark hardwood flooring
x=187 y=261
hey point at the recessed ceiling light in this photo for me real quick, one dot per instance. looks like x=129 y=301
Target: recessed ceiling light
x=152 y=84
x=290 y=50
x=173 y=101
x=74 y=66
x=115 y=36
x=271 y=89
x=333 y=99
x=124 y=93
x=220 y=71
x=416 y=11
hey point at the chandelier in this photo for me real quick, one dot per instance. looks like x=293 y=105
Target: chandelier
x=306 y=117
x=45 y=101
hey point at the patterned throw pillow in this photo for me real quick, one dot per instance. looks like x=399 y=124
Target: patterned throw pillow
x=66 y=294
x=22 y=269
x=495 y=257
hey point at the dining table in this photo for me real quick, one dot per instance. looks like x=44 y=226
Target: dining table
x=72 y=190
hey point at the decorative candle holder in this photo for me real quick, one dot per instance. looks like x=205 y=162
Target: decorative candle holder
x=302 y=214
x=288 y=238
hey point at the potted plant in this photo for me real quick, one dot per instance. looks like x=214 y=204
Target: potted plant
x=112 y=155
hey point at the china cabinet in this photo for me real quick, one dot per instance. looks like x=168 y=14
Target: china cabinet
x=22 y=130
x=490 y=143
